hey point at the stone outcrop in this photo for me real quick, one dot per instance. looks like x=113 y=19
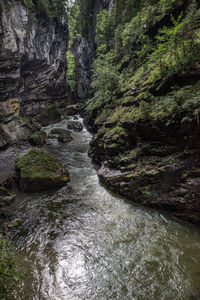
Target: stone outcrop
x=38 y=171
x=32 y=54
x=32 y=75
x=11 y=128
x=153 y=164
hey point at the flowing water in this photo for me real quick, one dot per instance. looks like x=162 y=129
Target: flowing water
x=84 y=243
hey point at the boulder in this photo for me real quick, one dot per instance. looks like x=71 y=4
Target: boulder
x=31 y=124
x=49 y=115
x=38 y=170
x=64 y=136
x=76 y=126
x=52 y=136
x=38 y=138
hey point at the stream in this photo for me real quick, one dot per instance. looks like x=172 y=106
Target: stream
x=83 y=243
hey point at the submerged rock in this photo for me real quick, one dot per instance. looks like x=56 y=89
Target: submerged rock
x=38 y=170
x=76 y=126
x=38 y=138
x=64 y=136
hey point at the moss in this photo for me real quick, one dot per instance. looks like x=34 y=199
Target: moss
x=38 y=170
x=49 y=115
x=185 y=175
x=10 y=273
x=150 y=194
x=38 y=138
x=26 y=119
x=36 y=163
x=117 y=158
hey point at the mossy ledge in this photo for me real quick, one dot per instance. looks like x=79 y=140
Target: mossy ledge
x=38 y=170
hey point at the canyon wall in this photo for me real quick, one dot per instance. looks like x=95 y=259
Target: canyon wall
x=32 y=54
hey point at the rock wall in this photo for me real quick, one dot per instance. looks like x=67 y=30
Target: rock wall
x=147 y=135
x=84 y=51
x=32 y=54
x=32 y=73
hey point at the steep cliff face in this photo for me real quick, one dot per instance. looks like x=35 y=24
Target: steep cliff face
x=32 y=54
x=83 y=49
x=32 y=70
x=145 y=107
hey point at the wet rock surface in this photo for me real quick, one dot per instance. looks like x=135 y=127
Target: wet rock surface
x=64 y=136
x=75 y=126
x=152 y=164
x=38 y=170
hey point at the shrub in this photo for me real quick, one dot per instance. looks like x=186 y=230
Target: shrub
x=10 y=273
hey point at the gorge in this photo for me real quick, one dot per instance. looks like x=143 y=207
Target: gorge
x=109 y=90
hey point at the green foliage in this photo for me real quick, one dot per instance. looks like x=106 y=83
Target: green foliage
x=105 y=79
x=75 y=26
x=10 y=273
x=71 y=71
x=145 y=45
x=178 y=45
x=37 y=164
x=38 y=138
x=104 y=28
x=81 y=17
x=28 y=3
x=54 y=9
x=150 y=194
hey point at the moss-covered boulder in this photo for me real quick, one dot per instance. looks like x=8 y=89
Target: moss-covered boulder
x=38 y=170
x=49 y=115
x=38 y=138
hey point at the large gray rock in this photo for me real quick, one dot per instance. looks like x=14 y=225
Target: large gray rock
x=32 y=54
x=38 y=171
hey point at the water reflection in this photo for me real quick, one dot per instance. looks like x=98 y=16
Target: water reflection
x=82 y=242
